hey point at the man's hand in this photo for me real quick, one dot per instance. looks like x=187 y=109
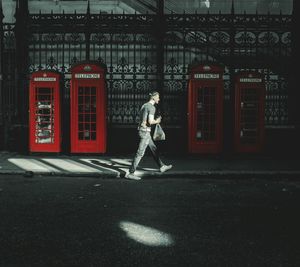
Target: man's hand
x=158 y=120
x=144 y=124
x=152 y=121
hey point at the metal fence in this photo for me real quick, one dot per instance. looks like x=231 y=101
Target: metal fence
x=140 y=50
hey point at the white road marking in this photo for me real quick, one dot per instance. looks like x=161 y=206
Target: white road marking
x=32 y=165
x=71 y=165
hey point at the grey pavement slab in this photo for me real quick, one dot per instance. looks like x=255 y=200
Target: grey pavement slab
x=117 y=165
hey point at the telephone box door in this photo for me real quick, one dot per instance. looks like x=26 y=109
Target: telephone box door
x=205 y=109
x=249 y=112
x=44 y=112
x=88 y=109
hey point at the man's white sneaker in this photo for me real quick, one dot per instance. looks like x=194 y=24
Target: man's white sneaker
x=165 y=168
x=131 y=176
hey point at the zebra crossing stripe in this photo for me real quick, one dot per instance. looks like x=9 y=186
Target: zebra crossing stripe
x=32 y=165
x=71 y=165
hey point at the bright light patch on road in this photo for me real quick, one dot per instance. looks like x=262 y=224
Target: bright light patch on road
x=32 y=165
x=71 y=165
x=146 y=235
x=123 y=162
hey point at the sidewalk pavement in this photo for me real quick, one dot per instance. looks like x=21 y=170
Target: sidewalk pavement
x=115 y=166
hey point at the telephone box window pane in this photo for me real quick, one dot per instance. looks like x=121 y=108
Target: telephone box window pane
x=80 y=108
x=87 y=117
x=87 y=91
x=44 y=115
x=86 y=135
x=43 y=91
x=86 y=112
x=80 y=100
x=93 y=104
x=206 y=114
x=249 y=115
x=80 y=91
x=80 y=118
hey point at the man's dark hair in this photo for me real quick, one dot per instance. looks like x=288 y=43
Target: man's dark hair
x=153 y=93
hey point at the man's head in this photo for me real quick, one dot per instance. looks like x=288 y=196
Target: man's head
x=154 y=96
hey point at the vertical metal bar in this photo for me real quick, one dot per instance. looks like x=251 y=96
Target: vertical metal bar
x=1 y=77
x=40 y=37
x=229 y=131
x=57 y=51
x=294 y=94
x=129 y=92
x=207 y=35
x=134 y=82
x=87 y=33
x=87 y=45
x=21 y=108
x=8 y=82
x=160 y=34
x=111 y=70
x=63 y=39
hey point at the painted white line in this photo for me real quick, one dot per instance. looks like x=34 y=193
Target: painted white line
x=71 y=165
x=32 y=165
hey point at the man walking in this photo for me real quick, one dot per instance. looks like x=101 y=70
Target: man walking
x=146 y=119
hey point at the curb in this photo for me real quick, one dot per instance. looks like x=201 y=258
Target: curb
x=173 y=174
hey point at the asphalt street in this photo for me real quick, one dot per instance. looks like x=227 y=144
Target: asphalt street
x=73 y=221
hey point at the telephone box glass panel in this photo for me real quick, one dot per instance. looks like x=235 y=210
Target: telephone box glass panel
x=44 y=115
x=87 y=116
x=249 y=115
x=206 y=114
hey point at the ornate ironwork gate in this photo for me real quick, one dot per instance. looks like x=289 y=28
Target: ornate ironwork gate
x=140 y=50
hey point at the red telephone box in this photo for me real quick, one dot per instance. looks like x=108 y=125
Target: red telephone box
x=44 y=116
x=88 y=109
x=205 y=109
x=249 y=112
